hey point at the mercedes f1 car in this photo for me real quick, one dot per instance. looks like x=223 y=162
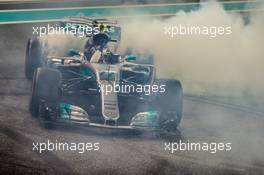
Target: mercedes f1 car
x=101 y=88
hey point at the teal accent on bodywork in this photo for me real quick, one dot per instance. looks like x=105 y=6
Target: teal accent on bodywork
x=131 y=58
x=152 y=117
x=72 y=52
x=87 y=72
x=115 y=11
x=71 y=112
x=65 y=110
x=146 y=119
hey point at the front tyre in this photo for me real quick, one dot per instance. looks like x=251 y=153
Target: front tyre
x=170 y=103
x=45 y=91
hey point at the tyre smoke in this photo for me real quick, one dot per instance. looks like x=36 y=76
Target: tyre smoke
x=225 y=64
x=229 y=65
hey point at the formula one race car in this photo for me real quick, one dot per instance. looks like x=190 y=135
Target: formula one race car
x=103 y=90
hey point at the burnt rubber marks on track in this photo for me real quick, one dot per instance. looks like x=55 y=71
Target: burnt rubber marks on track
x=53 y=163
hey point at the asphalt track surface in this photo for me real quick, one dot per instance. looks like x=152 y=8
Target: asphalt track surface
x=205 y=120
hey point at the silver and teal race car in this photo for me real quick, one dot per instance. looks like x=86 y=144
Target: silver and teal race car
x=101 y=89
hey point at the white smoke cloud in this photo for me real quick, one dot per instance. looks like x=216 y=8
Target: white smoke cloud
x=224 y=65
x=59 y=45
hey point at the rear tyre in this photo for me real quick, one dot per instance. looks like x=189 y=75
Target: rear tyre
x=32 y=58
x=34 y=100
x=45 y=91
x=170 y=103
